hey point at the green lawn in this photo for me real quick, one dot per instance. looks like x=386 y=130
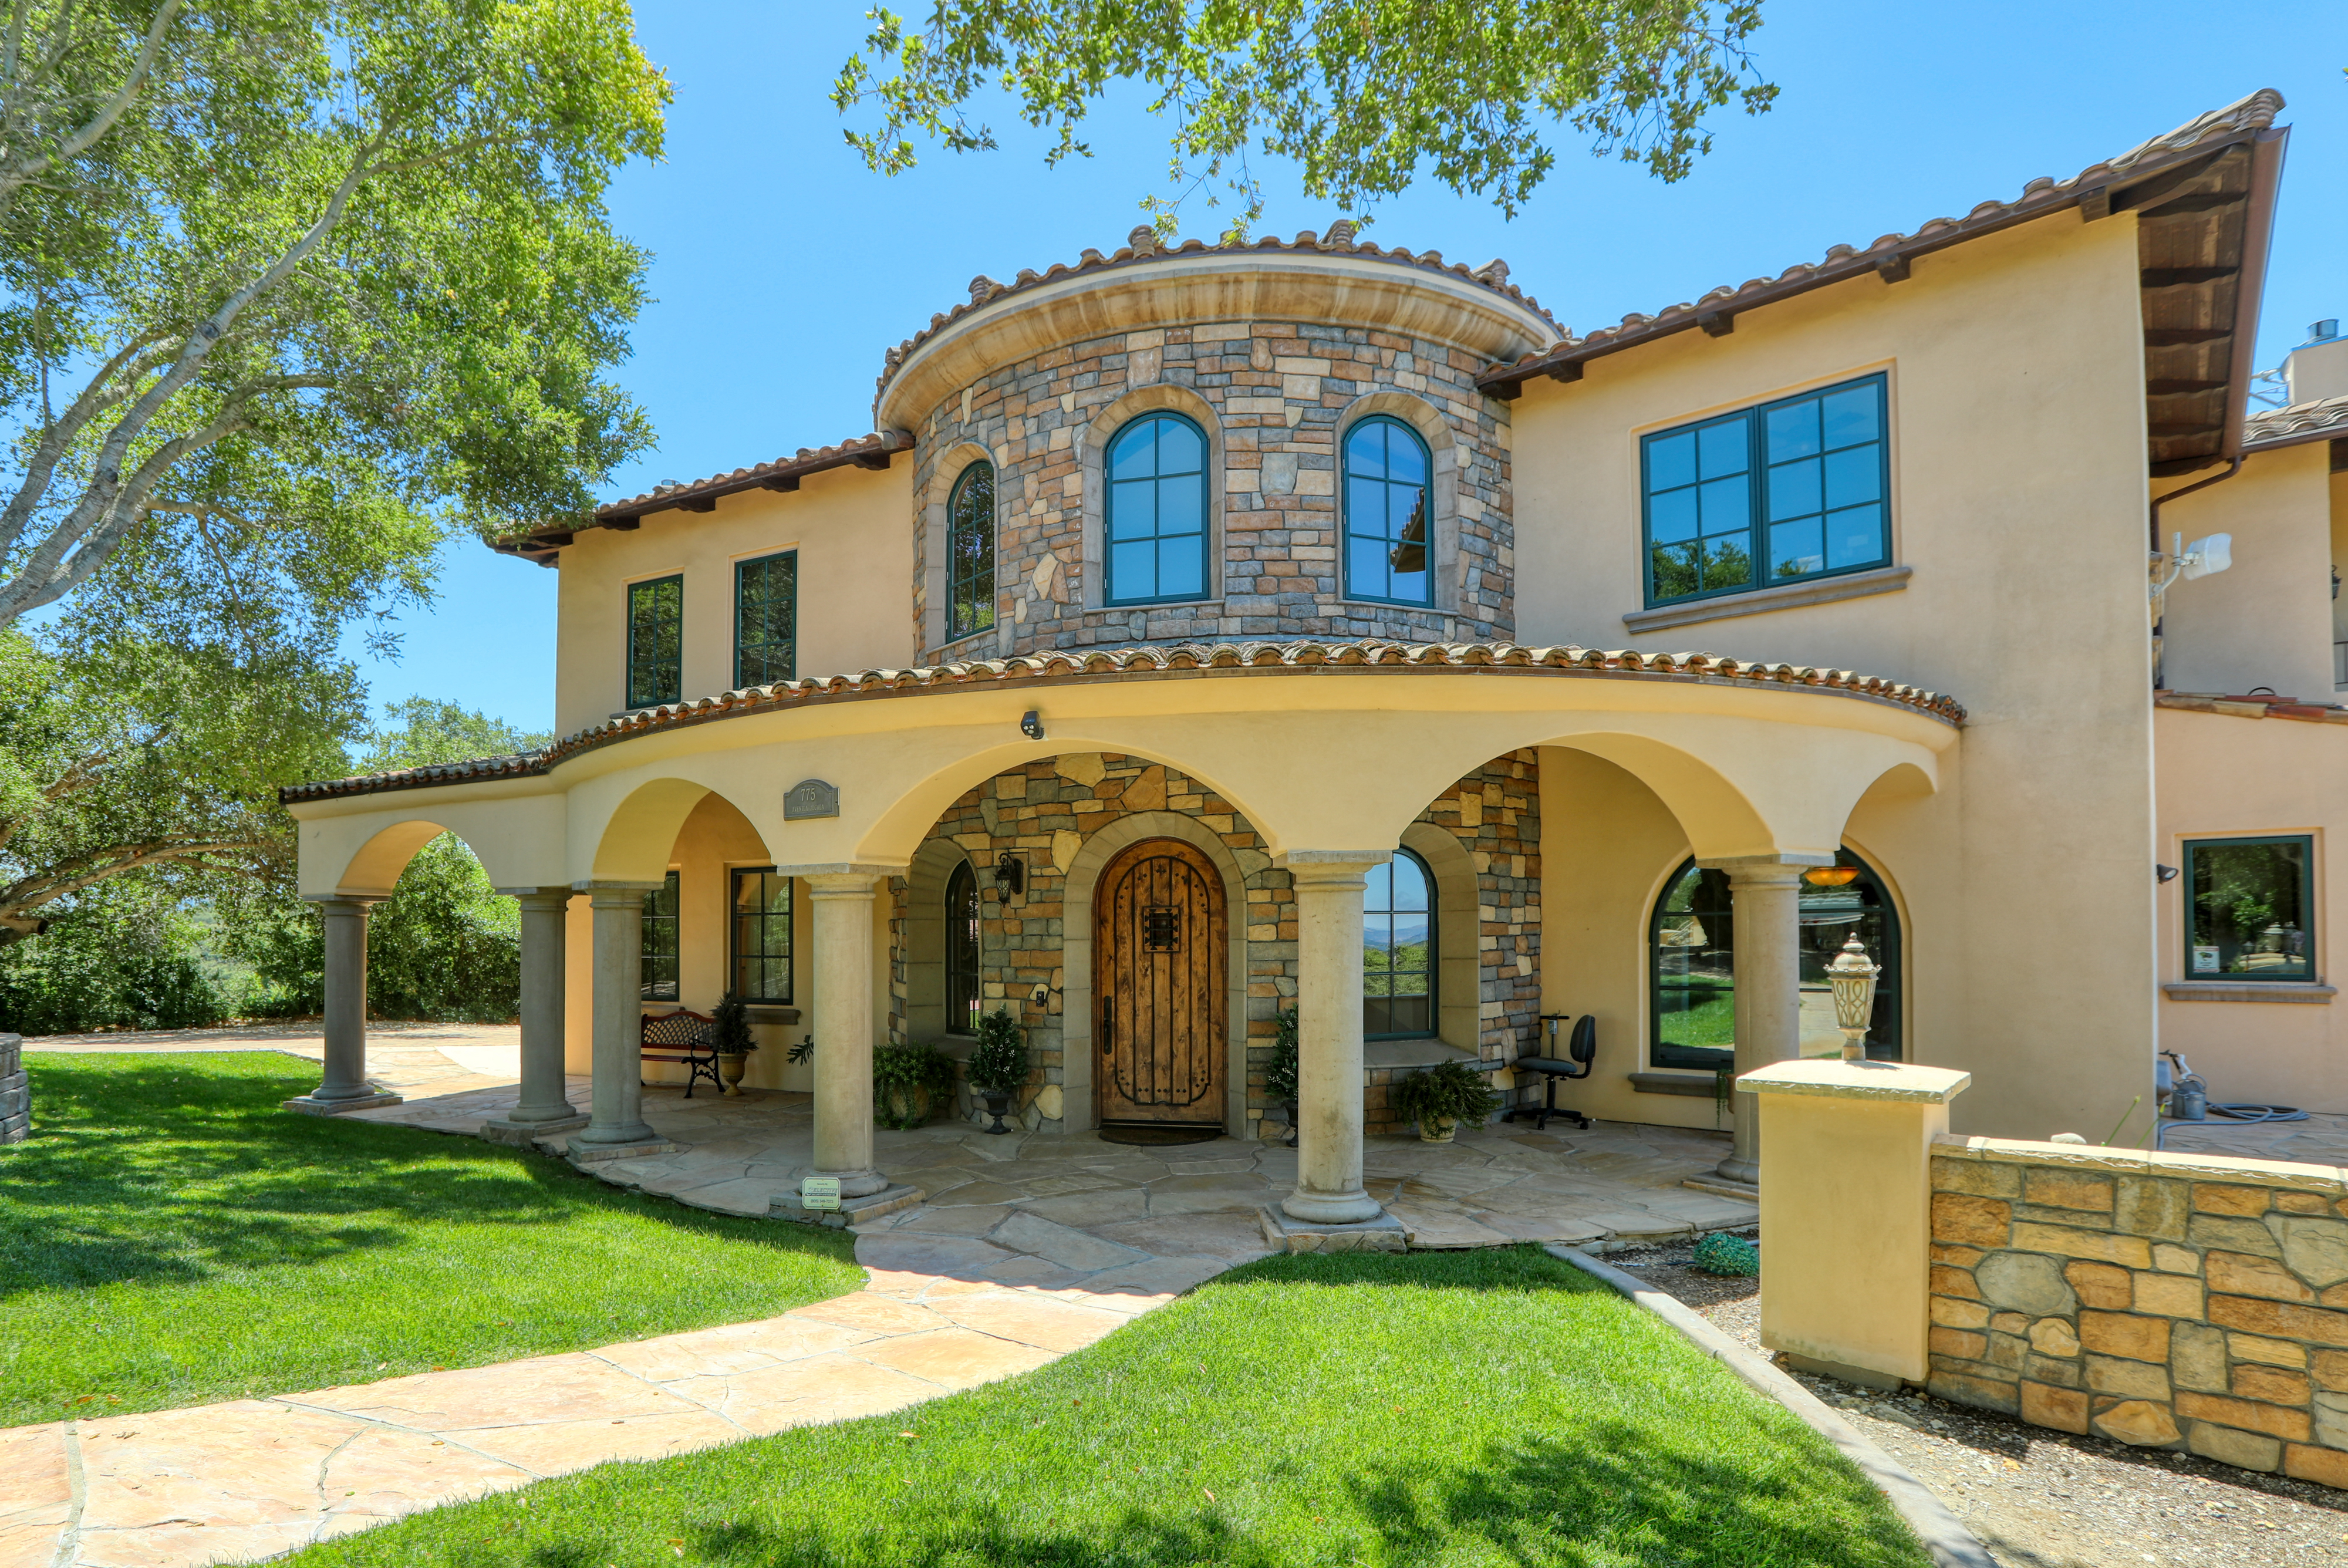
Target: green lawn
x=168 y=1236
x=1491 y=1407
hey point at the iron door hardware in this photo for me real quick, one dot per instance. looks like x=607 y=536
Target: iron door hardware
x=1108 y=1026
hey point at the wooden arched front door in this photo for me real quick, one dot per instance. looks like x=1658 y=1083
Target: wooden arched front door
x=1161 y=964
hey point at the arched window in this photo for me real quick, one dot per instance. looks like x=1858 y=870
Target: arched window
x=1692 y=957
x=1157 y=511
x=970 y=552
x=961 y=951
x=1398 y=948
x=1388 y=513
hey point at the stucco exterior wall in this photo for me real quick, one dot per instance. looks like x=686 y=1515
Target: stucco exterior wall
x=2266 y=620
x=2017 y=458
x=850 y=528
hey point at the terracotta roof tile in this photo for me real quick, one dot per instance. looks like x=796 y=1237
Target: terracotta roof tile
x=1097 y=664
x=2298 y=422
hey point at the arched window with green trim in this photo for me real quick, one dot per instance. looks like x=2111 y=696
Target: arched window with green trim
x=970 y=552
x=1388 y=516
x=1156 y=513
x=1398 y=948
x=1692 y=947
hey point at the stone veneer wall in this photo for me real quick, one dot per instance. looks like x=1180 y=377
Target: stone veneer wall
x=1044 y=811
x=2161 y=1299
x=1278 y=390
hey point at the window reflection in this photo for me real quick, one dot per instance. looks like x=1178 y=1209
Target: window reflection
x=1398 y=950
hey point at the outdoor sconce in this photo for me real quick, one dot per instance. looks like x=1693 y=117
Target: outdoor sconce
x=1010 y=876
x=1852 y=977
x=1832 y=876
x=1031 y=725
x=2164 y=874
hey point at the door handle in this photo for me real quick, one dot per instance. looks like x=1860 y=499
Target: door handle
x=1108 y=1026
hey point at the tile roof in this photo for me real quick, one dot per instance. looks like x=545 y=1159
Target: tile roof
x=1888 y=255
x=2253 y=706
x=1056 y=664
x=2298 y=422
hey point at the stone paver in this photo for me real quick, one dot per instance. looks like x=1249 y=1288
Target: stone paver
x=2321 y=1139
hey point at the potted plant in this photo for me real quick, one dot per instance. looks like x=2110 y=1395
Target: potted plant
x=729 y=1035
x=1442 y=1097
x=998 y=1064
x=908 y=1080
x=1279 y=1073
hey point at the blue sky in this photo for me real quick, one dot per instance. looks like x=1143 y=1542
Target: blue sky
x=784 y=268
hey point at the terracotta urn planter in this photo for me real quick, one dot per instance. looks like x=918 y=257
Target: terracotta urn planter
x=730 y=1067
x=1439 y=1129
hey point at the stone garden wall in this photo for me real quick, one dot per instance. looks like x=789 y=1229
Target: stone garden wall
x=2171 y=1301
x=15 y=1092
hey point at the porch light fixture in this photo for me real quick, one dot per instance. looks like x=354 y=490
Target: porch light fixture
x=1031 y=725
x=1832 y=876
x=1010 y=876
x=1852 y=977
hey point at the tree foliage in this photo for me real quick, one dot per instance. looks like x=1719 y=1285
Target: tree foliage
x=1362 y=94
x=289 y=288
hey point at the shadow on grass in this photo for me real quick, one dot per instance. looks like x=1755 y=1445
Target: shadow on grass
x=147 y=1168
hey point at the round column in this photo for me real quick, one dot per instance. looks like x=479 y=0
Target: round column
x=345 y=1007
x=544 y=1097
x=617 y=1099
x=843 y=905
x=1329 y=1188
x=1765 y=901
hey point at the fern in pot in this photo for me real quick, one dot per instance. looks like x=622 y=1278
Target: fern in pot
x=1279 y=1073
x=908 y=1082
x=729 y=1035
x=998 y=1064
x=1442 y=1097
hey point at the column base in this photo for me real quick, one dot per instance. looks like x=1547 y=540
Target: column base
x=311 y=1105
x=523 y=1134
x=857 y=1183
x=857 y=1211
x=581 y=1153
x=627 y=1133
x=1732 y=1168
x=1331 y=1208
x=1284 y=1234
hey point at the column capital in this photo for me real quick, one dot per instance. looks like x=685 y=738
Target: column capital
x=1766 y=870
x=842 y=872
x=563 y=892
x=1331 y=865
x=359 y=900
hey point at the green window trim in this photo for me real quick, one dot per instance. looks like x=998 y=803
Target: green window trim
x=766 y=620
x=1153 y=512
x=1798 y=490
x=656 y=642
x=1387 y=491
x=970 y=552
x=2249 y=917
x=657 y=980
x=759 y=916
x=1401 y=951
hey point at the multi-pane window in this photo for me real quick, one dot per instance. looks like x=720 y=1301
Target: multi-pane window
x=1398 y=950
x=961 y=951
x=2249 y=908
x=762 y=935
x=1157 y=511
x=655 y=642
x=1693 y=962
x=970 y=552
x=1387 y=473
x=658 y=980
x=1789 y=491
x=766 y=620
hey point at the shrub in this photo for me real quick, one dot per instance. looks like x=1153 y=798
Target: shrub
x=729 y=1026
x=998 y=1063
x=1452 y=1089
x=907 y=1081
x=124 y=957
x=1279 y=1073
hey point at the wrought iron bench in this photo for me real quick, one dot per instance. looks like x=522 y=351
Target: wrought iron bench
x=682 y=1036
x=1582 y=1047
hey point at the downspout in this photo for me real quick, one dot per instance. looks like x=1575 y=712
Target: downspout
x=2161 y=560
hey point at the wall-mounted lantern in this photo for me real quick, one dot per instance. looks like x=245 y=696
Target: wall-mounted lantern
x=1010 y=876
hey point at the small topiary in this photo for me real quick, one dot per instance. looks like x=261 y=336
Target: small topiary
x=1279 y=1073
x=729 y=1027
x=1722 y=1253
x=998 y=1063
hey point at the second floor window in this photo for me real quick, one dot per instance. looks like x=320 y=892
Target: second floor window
x=657 y=981
x=766 y=620
x=655 y=642
x=970 y=552
x=1157 y=511
x=1788 y=490
x=1386 y=473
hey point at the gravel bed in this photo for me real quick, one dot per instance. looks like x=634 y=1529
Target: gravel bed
x=2041 y=1498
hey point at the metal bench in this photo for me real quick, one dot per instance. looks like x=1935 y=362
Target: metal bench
x=682 y=1036
x=1580 y=1047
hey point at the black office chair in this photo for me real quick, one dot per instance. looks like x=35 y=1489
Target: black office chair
x=1582 y=1047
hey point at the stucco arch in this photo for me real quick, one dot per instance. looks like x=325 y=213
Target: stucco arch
x=1443 y=479
x=946 y=467
x=638 y=836
x=924 y=954
x=1092 y=449
x=1077 y=957
x=361 y=854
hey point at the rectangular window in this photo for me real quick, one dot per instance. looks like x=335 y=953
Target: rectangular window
x=762 y=935
x=1780 y=494
x=2249 y=909
x=766 y=620
x=655 y=642
x=657 y=983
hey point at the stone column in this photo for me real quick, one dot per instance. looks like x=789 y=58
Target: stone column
x=544 y=1106
x=1329 y=1037
x=843 y=1028
x=616 y=1116
x=343 y=1085
x=1765 y=901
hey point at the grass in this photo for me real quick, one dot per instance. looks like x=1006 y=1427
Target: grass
x=1443 y=1407
x=169 y=1237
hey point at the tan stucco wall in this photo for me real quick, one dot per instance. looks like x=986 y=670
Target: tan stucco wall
x=2266 y=620
x=2018 y=422
x=852 y=530
x=2222 y=777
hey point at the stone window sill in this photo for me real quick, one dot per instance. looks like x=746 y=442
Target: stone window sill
x=771 y=1013
x=1422 y=1051
x=1696 y=1086
x=2247 y=991
x=1792 y=595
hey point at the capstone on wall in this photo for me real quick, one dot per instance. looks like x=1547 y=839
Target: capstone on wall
x=1276 y=394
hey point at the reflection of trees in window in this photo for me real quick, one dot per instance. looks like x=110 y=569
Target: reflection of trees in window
x=762 y=935
x=2250 y=907
x=961 y=951
x=766 y=620
x=1399 y=949
x=658 y=980
x=970 y=552
x=655 y=642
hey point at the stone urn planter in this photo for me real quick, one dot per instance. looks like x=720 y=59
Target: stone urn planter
x=1290 y=1107
x=996 y=1106
x=730 y=1067
x=1439 y=1130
